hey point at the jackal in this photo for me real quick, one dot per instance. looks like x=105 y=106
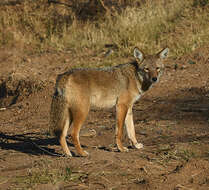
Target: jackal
x=77 y=90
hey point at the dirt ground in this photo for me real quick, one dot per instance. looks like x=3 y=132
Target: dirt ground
x=171 y=120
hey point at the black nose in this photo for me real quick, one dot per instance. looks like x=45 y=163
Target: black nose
x=154 y=79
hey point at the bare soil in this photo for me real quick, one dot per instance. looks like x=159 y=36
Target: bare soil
x=171 y=120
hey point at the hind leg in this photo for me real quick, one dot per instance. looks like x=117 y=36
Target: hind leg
x=79 y=117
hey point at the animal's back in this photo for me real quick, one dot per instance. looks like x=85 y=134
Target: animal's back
x=101 y=87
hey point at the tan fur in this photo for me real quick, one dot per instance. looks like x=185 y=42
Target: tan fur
x=78 y=90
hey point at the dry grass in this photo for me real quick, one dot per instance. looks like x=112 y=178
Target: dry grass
x=45 y=175
x=183 y=26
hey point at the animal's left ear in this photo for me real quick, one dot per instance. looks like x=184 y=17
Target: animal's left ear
x=163 y=53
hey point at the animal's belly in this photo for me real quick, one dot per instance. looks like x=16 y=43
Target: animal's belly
x=103 y=101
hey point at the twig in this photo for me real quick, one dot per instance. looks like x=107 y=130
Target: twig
x=181 y=186
x=145 y=170
x=105 y=179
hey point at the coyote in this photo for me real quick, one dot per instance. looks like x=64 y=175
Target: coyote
x=77 y=90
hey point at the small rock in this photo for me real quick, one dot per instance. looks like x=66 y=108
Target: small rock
x=191 y=62
x=88 y=133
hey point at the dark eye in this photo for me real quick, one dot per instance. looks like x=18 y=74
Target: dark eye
x=146 y=70
x=158 y=69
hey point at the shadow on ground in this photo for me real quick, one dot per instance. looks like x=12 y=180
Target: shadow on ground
x=28 y=143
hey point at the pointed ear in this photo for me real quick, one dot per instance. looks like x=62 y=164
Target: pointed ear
x=163 y=53
x=138 y=54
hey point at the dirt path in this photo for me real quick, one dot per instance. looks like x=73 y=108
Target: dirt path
x=171 y=120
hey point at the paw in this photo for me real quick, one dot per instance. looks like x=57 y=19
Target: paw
x=84 y=153
x=68 y=154
x=123 y=149
x=139 y=145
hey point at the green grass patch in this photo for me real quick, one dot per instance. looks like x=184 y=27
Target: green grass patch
x=37 y=176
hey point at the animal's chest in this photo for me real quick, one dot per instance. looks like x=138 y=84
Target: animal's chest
x=137 y=97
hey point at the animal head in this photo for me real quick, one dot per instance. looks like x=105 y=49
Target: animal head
x=151 y=66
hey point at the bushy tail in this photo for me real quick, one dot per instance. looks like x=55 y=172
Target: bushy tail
x=59 y=114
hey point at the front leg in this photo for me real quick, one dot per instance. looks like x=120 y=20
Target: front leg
x=121 y=110
x=131 y=130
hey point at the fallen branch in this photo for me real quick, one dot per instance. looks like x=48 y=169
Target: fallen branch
x=11 y=3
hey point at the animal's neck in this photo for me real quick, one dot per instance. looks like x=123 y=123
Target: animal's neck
x=146 y=84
